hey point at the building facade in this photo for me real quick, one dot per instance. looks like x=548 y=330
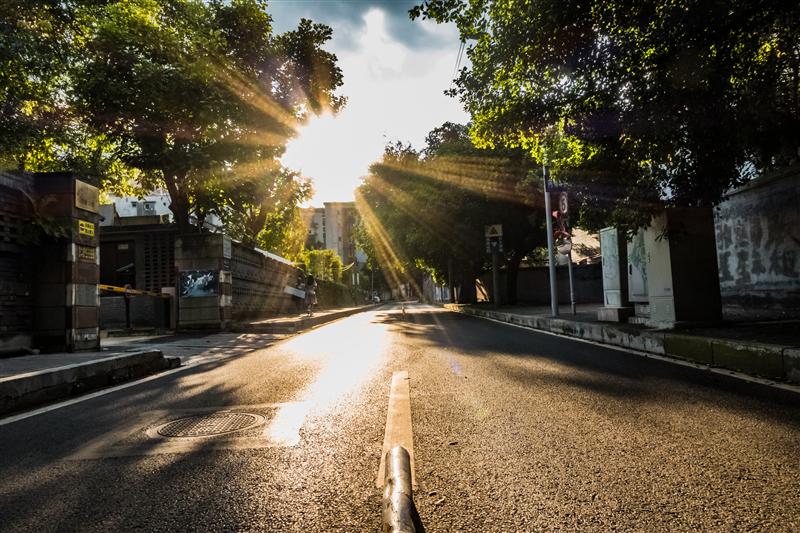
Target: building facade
x=331 y=228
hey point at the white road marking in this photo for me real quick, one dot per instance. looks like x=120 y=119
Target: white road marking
x=398 y=424
x=675 y=361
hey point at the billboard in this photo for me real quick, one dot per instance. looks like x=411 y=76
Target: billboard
x=199 y=283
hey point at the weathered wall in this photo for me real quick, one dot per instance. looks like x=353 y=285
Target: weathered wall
x=151 y=250
x=258 y=284
x=758 y=249
x=48 y=262
x=204 y=254
x=146 y=312
x=16 y=278
x=533 y=284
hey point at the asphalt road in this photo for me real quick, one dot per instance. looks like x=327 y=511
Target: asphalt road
x=513 y=431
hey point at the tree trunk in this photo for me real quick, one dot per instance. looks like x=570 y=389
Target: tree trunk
x=512 y=275
x=467 y=293
x=179 y=200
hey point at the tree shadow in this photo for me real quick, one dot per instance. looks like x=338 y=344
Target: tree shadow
x=606 y=371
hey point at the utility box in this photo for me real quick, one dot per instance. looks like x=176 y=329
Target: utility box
x=676 y=256
x=613 y=248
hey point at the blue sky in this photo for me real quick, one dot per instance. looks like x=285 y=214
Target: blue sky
x=395 y=73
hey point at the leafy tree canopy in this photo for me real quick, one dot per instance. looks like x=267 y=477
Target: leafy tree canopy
x=200 y=94
x=197 y=97
x=428 y=209
x=322 y=264
x=635 y=104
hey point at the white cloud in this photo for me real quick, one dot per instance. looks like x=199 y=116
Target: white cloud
x=394 y=93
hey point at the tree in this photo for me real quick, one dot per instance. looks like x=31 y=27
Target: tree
x=636 y=104
x=429 y=209
x=322 y=264
x=195 y=92
x=33 y=55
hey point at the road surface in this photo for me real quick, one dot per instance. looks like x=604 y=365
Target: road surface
x=513 y=431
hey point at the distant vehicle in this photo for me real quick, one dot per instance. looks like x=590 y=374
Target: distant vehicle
x=376 y=299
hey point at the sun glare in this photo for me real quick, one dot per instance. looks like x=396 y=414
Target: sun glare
x=333 y=153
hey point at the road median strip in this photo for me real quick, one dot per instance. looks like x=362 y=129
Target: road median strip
x=396 y=470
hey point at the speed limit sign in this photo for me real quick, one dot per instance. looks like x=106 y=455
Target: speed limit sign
x=563 y=203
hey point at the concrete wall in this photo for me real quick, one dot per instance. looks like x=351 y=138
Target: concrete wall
x=146 y=312
x=758 y=249
x=258 y=284
x=533 y=284
x=205 y=252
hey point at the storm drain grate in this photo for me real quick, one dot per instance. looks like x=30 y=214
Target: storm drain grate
x=208 y=425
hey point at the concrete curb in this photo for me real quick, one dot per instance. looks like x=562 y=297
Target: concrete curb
x=34 y=388
x=302 y=323
x=763 y=360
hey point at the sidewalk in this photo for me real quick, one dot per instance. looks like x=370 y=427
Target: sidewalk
x=299 y=321
x=30 y=380
x=769 y=350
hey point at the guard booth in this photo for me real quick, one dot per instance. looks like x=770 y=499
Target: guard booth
x=49 y=263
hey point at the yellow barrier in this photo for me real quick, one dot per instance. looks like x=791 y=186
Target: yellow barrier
x=131 y=292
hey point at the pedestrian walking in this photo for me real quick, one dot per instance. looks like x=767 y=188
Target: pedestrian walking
x=311 y=294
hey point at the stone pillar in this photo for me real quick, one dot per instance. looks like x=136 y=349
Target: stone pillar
x=203 y=264
x=614 y=252
x=67 y=300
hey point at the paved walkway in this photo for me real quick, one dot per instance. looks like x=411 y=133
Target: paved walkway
x=298 y=321
x=784 y=332
x=770 y=350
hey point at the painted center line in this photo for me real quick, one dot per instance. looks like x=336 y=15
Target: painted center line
x=398 y=424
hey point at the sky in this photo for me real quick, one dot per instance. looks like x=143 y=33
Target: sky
x=395 y=74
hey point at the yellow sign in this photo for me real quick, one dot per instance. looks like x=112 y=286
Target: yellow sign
x=86 y=228
x=87 y=254
x=87 y=197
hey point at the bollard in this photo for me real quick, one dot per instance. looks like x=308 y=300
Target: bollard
x=399 y=513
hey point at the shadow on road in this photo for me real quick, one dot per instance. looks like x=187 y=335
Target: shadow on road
x=583 y=366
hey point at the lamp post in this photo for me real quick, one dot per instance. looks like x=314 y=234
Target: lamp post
x=550 y=255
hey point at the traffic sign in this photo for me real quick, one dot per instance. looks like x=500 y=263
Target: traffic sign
x=494 y=244
x=563 y=203
x=495 y=230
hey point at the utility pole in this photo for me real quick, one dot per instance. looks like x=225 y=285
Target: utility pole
x=571 y=288
x=451 y=285
x=494 y=245
x=550 y=255
x=496 y=276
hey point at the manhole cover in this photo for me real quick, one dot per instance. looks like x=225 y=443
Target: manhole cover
x=208 y=425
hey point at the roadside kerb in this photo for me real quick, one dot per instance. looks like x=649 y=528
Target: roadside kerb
x=758 y=359
x=791 y=364
x=752 y=358
x=34 y=388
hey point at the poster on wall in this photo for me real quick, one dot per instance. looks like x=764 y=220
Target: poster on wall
x=198 y=283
